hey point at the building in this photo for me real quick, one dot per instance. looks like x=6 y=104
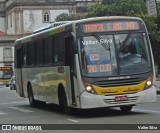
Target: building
x=19 y=18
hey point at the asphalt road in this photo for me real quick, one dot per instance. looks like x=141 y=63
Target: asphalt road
x=16 y=110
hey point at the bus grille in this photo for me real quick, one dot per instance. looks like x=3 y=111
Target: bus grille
x=120 y=82
x=130 y=100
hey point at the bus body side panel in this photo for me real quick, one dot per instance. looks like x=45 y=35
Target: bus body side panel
x=19 y=86
x=25 y=81
x=52 y=79
x=34 y=77
x=78 y=83
x=68 y=86
x=77 y=92
x=152 y=59
x=45 y=82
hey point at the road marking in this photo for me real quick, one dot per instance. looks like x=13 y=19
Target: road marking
x=2 y=113
x=73 y=120
x=147 y=111
x=21 y=109
x=14 y=102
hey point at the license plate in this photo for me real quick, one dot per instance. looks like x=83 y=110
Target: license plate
x=121 y=98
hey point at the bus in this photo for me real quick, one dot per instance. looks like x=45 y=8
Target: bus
x=83 y=64
x=6 y=74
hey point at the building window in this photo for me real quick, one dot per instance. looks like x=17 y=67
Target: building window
x=7 y=52
x=46 y=17
x=11 y=20
x=6 y=22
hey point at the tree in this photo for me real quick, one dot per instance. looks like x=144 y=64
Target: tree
x=67 y=17
x=135 y=8
x=118 y=7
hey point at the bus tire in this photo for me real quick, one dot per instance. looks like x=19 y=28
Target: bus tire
x=32 y=101
x=126 y=108
x=63 y=102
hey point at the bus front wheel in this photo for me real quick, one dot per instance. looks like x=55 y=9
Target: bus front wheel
x=126 y=108
x=63 y=103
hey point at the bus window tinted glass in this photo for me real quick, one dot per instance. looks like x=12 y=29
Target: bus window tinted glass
x=39 y=51
x=58 y=49
x=30 y=53
x=48 y=50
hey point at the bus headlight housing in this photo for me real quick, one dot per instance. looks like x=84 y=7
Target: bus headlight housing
x=89 y=88
x=149 y=82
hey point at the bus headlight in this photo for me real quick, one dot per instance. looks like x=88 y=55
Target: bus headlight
x=89 y=88
x=149 y=83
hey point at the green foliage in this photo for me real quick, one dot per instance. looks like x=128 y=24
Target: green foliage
x=66 y=17
x=118 y=7
x=135 y=8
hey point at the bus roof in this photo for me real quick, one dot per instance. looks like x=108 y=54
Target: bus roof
x=58 y=27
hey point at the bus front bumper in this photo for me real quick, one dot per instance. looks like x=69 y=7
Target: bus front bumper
x=97 y=101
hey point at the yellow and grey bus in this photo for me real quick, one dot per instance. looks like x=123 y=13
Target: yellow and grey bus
x=6 y=74
x=89 y=63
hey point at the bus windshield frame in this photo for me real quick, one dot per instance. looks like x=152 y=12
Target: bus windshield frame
x=105 y=58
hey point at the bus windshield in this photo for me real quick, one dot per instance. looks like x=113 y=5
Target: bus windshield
x=113 y=55
x=6 y=72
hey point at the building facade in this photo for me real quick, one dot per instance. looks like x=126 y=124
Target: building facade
x=19 y=18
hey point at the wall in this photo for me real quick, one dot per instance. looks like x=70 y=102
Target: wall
x=2 y=24
x=28 y=20
x=33 y=19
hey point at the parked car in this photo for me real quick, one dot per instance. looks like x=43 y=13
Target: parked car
x=12 y=83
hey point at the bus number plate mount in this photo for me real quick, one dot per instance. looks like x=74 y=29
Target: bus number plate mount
x=121 y=98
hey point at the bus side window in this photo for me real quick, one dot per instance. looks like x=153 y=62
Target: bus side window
x=19 y=58
x=48 y=50
x=30 y=53
x=39 y=52
x=55 y=58
x=58 y=49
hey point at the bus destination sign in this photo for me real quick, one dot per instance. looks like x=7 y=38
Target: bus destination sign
x=5 y=68
x=111 y=26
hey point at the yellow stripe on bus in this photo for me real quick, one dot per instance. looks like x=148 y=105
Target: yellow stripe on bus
x=119 y=89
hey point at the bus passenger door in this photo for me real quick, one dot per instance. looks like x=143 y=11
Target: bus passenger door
x=69 y=61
